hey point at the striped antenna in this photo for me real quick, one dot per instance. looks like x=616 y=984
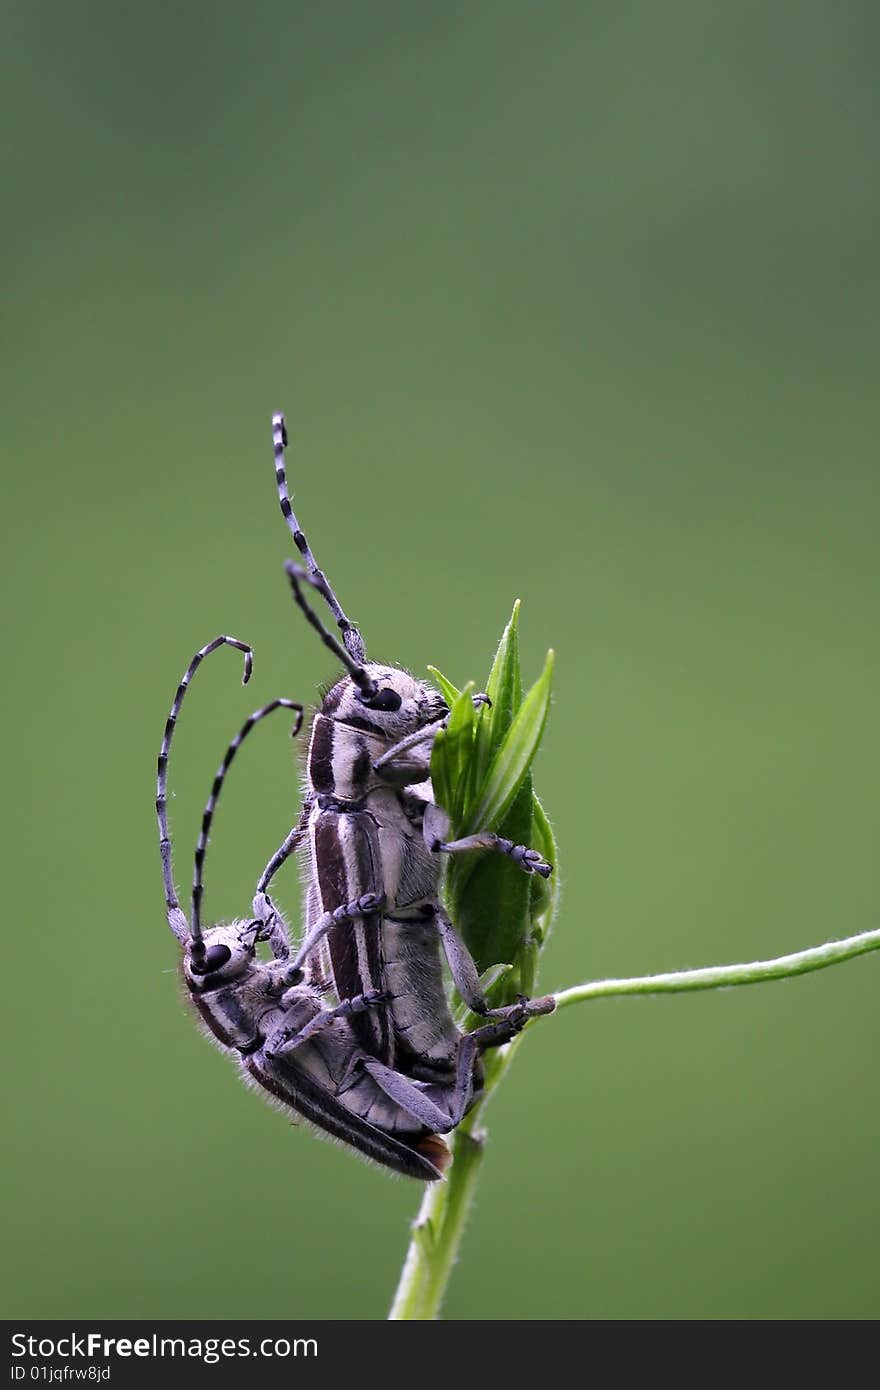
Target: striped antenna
x=351 y=637
x=176 y=920
x=211 y=804
x=362 y=679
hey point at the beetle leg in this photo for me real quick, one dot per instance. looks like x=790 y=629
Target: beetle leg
x=529 y=860
x=467 y=982
x=264 y=908
x=361 y=907
x=286 y=1038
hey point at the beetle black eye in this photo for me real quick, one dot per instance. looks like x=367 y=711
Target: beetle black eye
x=386 y=700
x=215 y=959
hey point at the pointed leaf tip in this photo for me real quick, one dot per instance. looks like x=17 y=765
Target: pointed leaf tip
x=514 y=756
x=449 y=691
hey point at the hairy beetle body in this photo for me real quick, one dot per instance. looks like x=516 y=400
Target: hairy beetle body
x=250 y=1007
x=365 y=835
x=354 y=1032
x=374 y=836
x=319 y=1081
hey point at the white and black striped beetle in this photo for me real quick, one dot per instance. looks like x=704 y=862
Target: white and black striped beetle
x=374 y=837
x=293 y=1045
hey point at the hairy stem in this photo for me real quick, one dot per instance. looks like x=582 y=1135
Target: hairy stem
x=725 y=976
x=439 y=1226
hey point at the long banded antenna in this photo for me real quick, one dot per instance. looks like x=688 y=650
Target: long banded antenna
x=365 y=683
x=176 y=920
x=351 y=637
x=211 y=804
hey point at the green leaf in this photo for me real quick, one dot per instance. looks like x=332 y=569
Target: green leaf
x=512 y=760
x=489 y=898
x=480 y=768
x=543 y=899
x=449 y=691
x=452 y=752
x=504 y=688
x=441 y=779
x=545 y=891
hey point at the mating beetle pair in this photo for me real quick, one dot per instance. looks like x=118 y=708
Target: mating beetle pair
x=352 y=1032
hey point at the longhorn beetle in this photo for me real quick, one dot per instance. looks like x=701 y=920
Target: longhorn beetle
x=375 y=834
x=298 y=1050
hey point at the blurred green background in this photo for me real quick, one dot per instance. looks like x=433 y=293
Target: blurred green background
x=576 y=302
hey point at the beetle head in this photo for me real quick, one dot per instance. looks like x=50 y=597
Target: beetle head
x=222 y=956
x=393 y=705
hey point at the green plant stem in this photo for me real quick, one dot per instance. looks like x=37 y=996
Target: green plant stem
x=439 y=1226
x=725 y=976
x=437 y=1233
